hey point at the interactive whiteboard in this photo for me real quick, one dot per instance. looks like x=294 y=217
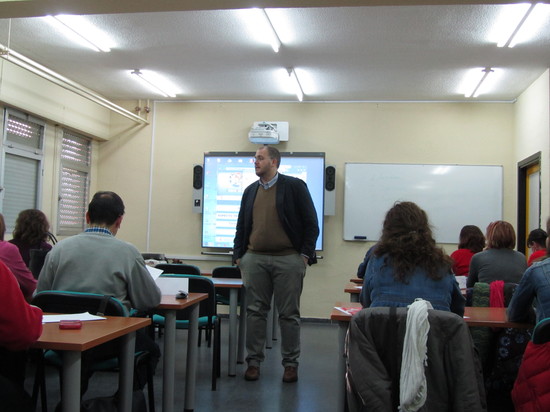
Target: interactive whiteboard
x=451 y=195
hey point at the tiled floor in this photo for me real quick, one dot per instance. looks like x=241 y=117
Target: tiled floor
x=315 y=390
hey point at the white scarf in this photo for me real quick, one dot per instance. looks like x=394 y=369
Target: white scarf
x=412 y=382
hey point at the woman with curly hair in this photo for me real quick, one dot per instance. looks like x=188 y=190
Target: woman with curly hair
x=470 y=241
x=31 y=232
x=406 y=264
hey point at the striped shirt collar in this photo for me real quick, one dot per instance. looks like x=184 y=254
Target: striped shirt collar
x=270 y=183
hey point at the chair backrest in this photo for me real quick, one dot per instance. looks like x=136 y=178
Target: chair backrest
x=480 y=293
x=153 y=256
x=179 y=268
x=198 y=284
x=226 y=272
x=57 y=301
x=541 y=333
x=374 y=352
x=233 y=272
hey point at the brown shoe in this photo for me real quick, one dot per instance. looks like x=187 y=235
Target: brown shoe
x=252 y=373
x=291 y=374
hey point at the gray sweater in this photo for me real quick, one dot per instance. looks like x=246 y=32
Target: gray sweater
x=100 y=263
x=496 y=264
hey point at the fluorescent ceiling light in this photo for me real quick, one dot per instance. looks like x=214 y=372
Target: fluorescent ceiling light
x=476 y=79
x=520 y=22
x=155 y=82
x=264 y=26
x=80 y=30
x=296 y=84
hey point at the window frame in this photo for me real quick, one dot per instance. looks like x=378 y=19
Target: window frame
x=17 y=149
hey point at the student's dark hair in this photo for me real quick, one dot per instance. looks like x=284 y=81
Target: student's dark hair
x=537 y=236
x=501 y=235
x=274 y=153
x=471 y=237
x=408 y=241
x=31 y=227
x=2 y=226
x=105 y=208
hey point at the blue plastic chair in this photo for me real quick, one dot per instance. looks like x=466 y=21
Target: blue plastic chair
x=232 y=272
x=541 y=333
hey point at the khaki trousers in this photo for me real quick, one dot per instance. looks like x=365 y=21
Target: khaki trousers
x=265 y=276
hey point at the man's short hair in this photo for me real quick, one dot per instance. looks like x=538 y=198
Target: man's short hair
x=105 y=208
x=274 y=153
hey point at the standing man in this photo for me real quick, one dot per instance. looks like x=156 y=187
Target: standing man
x=96 y=262
x=275 y=239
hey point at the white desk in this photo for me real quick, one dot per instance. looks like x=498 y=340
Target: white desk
x=234 y=285
x=169 y=305
x=93 y=333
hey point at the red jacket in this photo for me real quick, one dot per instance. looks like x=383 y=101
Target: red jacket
x=20 y=323
x=461 y=259
x=531 y=391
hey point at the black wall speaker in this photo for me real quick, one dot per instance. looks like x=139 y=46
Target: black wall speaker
x=197 y=177
x=330 y=178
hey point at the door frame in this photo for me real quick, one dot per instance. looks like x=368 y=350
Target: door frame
x=523 y=166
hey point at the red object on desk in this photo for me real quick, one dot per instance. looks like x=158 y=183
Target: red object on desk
x=70 y=324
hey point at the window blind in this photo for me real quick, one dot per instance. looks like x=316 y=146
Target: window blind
x=74 y=183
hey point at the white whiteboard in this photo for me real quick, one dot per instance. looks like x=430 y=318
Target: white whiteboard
x=451 y=195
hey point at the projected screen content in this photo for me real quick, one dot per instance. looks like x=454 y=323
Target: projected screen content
x=227 y=175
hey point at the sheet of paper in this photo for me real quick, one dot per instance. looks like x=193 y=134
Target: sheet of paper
x=461 y=281
x=172 y=285
x=349 y=311
x=85 y=316
x=154 y=272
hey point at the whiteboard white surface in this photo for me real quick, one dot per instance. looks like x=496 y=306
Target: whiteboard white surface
x=452 y=195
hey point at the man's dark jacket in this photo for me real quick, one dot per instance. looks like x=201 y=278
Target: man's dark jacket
x=296 y=213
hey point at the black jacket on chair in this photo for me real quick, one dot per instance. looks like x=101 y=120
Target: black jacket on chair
x=374 y=348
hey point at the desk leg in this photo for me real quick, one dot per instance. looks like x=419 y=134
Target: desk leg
x=242 y=327
x=169 y=360
x=70 y=396
x=341 y=372
x=126 y=375
x=191 y=372
x=233 y=295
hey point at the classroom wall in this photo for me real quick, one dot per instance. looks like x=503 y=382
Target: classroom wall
x=151 y=165
x=532 y=133
x=20 y=88
x=181 y=132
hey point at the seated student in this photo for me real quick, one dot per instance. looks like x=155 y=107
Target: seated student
x=20 y=325
x=499 y=261
x=406 y=264
x=96 y=262
x=536 y=241
x=30 y=232
x=534 y=287
x=470 y=242
x=363 y=265
x=9 y=254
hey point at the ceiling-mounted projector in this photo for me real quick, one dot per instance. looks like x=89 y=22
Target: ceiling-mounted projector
x=268 y=132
